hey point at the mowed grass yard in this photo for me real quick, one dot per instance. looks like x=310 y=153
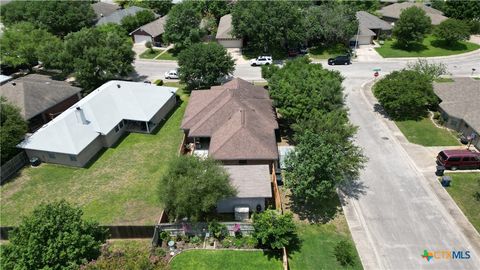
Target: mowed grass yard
x=119 y=188
x=317 y=243
x=430 y=46
x=464 y=190
x=425 y=133
x=225 y=259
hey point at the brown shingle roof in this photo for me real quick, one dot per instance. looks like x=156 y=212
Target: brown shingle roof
x=394 y=11
x=225 y=28
x=239 y=119
x=102 y=9
x=460 y=99
x=35 y=93
x=154 y=28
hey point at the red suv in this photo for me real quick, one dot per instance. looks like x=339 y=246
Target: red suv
x=458 y=159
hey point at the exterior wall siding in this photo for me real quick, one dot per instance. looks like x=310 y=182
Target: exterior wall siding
x=65 y=159
x=228 y=205
x=163 y=112
x=112 y=136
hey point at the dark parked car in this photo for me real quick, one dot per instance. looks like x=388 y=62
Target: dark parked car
x=297 y=51
x=340 y=60
x=458 y=159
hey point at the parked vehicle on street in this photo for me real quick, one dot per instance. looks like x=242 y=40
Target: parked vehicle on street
x=171 y=74
x=261 y=60
x=297 y=51
x=459 y=159
x=340 y=60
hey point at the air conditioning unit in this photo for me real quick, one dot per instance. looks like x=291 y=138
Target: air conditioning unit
x=242 y=213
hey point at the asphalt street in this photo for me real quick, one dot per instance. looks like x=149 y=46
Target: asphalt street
x=393 y=214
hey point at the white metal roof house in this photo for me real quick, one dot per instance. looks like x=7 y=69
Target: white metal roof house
x=99 y=120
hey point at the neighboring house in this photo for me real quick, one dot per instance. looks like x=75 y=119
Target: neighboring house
x=99 y=120
x=236 y=124
x=224 y=33
x=117 y=16
x=40 y=98
x=391 y=13
x=102 y=9
x=369 y=28
x=151 y=31
x=459 y=106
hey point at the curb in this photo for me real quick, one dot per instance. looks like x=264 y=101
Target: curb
x=393 y=59
x=450 y=207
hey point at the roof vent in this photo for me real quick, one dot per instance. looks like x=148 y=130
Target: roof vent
x=118 y=85
x=14 y=83
x=81 y=116
x=47 y=82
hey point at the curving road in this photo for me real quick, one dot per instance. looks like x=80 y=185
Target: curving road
x=396 y=214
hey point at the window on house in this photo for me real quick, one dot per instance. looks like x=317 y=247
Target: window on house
x=116 y=129
x=51 y=155
x=72 y=158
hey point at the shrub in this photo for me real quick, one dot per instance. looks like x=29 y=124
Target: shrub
x=218 y=230
x=474 y=26
x=274 y=230
x=344 y=253
x=431 y=70
x=436 y=115
x=195 y=240
x=165 y=236
x=158 y=82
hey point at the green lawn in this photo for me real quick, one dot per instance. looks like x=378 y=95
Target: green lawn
x=168 y=55
x=224 y=260
x=325 y=53
x=317 y=244
x=425 y=133
x=463 y=189
x=149 y=54
x=429 y=47
x=118 y=188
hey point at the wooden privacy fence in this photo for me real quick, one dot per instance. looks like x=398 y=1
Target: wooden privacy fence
x=12 y=166
x=116 y=232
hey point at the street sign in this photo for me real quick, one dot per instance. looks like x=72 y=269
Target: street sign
x=377 y=69
x=375 y=74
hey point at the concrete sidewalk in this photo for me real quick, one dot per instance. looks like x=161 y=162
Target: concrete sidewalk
x=424 y=160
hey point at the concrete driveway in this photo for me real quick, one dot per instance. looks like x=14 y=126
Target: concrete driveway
x=367 y=53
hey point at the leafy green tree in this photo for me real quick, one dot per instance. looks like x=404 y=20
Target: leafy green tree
x=192 y=187
x=267 y=25
x=58 y=17
x=12 y=131
x=149 y=45
x=429 y=69
x=462 y=10
x=411 y=27
x=366 y=5
x=452 y=31
x=215 y=8
x=54 y=237
x=21 y=44
x=317 y=166
x=299 y=88
x=274 y=230
x=405 y=94
x=132 y=22
x=203 y=64
x=160 y=7
x=323 y=28
x=183 y=25
x=97 y=55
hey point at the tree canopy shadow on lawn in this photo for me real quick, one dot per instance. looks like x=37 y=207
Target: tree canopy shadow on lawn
x=412 y=47
x=456 y=46
x=319 y=211
x=378 y=108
